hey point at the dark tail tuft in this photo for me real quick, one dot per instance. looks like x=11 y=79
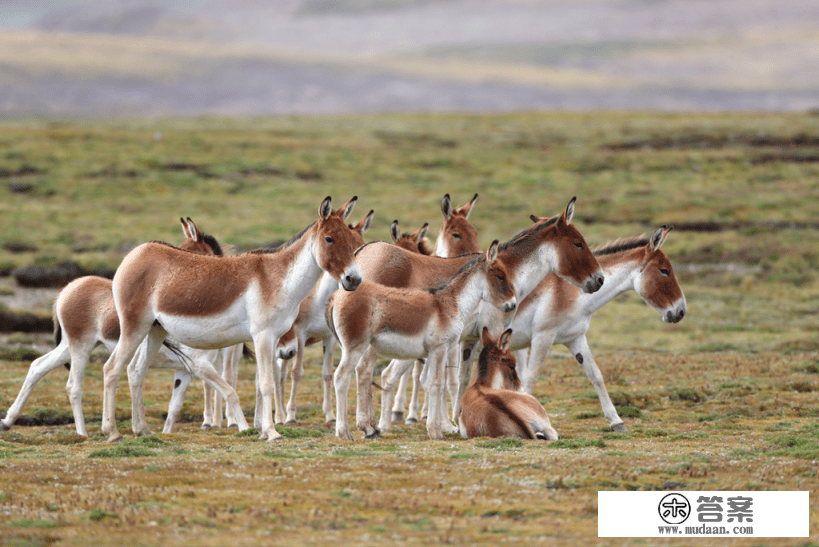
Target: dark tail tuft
x=176 y=350
x=247 y=352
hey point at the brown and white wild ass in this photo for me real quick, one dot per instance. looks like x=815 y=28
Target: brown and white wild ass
x=457 y=235
x=409 y=324
x=214 y=302
x=310 y=327
x=415 y=242
x=556 y=312
x=493 y=405
x=84 y=316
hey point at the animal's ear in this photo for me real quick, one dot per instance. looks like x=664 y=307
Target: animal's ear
x=567 y=215
x=486 y=338
x=446 y=207
x=326 y=208
x=422 y=233
x=195 y=234
x=505 y=338
x=185 y=228
x=466 y=209
x=535 y=218
x=492 y=252
x=659 y=237
x=395 y=233
x=368 y=221
x=347 y=208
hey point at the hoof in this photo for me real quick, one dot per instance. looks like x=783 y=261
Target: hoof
x=397 y=416
x=620 y=428
x=330 y=421
x=114 y=438
x=206 y=426
x=4 y=427
x=276 y=439
x=291 y=422
x=411 y=421
x=376 y=434
x=143 y=432
x=344 y=435
x=233 y=426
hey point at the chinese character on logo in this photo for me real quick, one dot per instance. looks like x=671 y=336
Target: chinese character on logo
x=709 y=509
x=740 y=508
x=674 y=508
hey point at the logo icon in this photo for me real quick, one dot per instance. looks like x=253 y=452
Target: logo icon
x=674 y=508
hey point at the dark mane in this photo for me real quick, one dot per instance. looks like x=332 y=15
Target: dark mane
x=270 y=249
x=211 y=242
x=533 y=229
x=469 y=265
x=368 y=243
x=172 y=246
x=423 y=246
x=620 y=246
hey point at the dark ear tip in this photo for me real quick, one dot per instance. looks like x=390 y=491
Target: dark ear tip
x=475 y=196
x=426 y=225
x=533 y=218
x=355 y=198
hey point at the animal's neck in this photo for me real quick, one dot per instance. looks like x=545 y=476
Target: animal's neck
x=621 y=272
x=303 y=271
x=532 y=267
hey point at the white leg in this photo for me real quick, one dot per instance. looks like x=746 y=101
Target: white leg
x=342 y=378
x=470 y=351
x=137 y=371
x=327 y=377
x=541 y=344
x=269 y=386
x=417 y=369
x=400 y=400
x=522 y=360
x=203 y=369
x=365 y=414
x=433 y=381
x=230 y=362
x=453 y=360
x=181 y=381
x=580 y=349
x=296 y=375
x=39 y=368
x=395 y=373
x=112 y=370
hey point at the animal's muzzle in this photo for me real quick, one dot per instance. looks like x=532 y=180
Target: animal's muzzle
x=594 y=283
x=509 y=306
x=674 y=316
x=350 y=282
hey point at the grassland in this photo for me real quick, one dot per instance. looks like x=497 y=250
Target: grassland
x=724 y=400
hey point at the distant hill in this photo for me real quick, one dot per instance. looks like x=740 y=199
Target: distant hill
x=136 y=58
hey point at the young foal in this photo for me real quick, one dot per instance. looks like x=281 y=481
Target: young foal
x=457 y=235
x=209 y=302
x=84 y=316
x=493 y=405
x=556 y=312
x=409 y=324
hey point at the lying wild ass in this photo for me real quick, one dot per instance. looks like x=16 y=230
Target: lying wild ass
x=493 y=405
x=215 y=302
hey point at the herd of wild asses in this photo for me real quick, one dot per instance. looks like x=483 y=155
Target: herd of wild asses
x=191 y=309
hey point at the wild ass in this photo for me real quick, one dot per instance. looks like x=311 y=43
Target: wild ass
x=556 y=312
x=415 y=242
x=551 y=245
x=310 y=327
x=214 y=302
x=84 y=316
x=493 y=405
x=409 y=324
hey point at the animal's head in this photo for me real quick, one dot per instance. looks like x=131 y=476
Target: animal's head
x=414 y=242
x=496 y=364
x=457 y=236
x=572 y=259
x=656 y=284
x=362 y=228
x=336 y=244
x=196 y=241
x=288 y=345
x=500 y=291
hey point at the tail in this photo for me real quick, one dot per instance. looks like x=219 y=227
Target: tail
x=247 y=352
x=328 y=316
x=58 y=335
x=186 y=361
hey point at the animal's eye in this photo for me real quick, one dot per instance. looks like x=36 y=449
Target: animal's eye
x=329 y=240
x=579 y=246
x=664 y=271
x=457 y=236
x=501 y=277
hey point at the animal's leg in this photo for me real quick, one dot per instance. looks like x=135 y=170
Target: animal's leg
x=212 y=399
x=433 y=381
x=365 y=414
x=230 y=360
x=268 y=373
x=401 y=394
x=522 y=360
x=137 y=370
x=181 y=381
x=341 y=380
x=204 y=369
x=281 y=367
x=327 y=377
x=112 y=370
x=39 y=368
x=464 y=374
x=580 y=349
x=257 y=415
x=453 y=360
x=541 y=344
x=417 y=369
x=208 y=410
x=296 y=375
x=394 y=374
